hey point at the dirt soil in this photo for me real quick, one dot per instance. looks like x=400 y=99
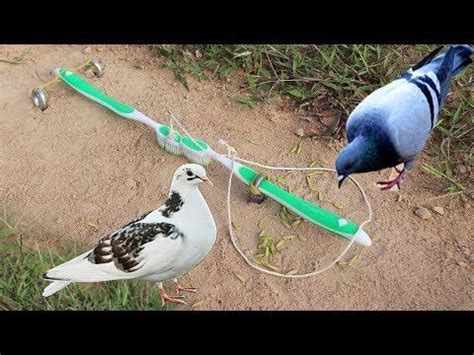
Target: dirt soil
x=76 y=171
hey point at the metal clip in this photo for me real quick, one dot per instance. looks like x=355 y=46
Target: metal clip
x=253 y=189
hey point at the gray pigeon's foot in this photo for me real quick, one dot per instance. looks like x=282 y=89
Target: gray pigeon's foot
x=166 y=298
x=391 y=183
x=398 y=170
x=179 y=288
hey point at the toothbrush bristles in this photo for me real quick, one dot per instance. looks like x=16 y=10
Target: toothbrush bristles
x=196 y=157
x=173 y=148
x=176 y=148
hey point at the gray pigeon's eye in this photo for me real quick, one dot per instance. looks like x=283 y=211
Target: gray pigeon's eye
x=348 y=165
x=189 y=173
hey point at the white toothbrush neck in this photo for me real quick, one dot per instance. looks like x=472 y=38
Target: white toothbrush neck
x=223 y=159
x=140 y=117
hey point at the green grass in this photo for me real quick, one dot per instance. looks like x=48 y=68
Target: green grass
x=21 y=282
x=343 y=74
x=333 y=77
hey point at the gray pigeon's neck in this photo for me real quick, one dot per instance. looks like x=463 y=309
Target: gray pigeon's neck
x=365 y=145
x=376 y=149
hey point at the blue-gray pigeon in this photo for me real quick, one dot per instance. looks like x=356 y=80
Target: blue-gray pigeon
x=393 y=124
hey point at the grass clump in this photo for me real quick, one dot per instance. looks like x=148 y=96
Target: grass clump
x=21 y=283
x=343 y=73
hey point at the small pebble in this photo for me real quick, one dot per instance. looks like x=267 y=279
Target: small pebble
x=461 y=263
x=299 y=132
x=423 y=213
x=327 y=118
x=87 y=50
x=140 y=66
x=467 y=205
x=198 y=53
x=461 y=169
x=464 y=198
x=461 y=242
x=438 y=210
x=130 y=183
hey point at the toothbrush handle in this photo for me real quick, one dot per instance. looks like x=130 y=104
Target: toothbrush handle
x=310 y=211
x=76 y=82
x=86 y=89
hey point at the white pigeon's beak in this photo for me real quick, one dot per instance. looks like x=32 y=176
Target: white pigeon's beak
x=206 y=179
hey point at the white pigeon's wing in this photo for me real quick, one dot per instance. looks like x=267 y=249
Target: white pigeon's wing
x=125 y=253
x=122 y=254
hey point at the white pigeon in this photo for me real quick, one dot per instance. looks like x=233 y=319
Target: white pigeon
x=158 y=246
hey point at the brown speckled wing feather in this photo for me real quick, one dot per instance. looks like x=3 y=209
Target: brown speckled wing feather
x=123 y=246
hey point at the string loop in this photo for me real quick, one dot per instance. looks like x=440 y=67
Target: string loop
x=232 y=154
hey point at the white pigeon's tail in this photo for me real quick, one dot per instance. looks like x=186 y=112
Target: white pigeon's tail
x=80 y=269
x=54 y=287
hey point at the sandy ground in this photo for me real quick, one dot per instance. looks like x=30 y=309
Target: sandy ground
x=77 y=165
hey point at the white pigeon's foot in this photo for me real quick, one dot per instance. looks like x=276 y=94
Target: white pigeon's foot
x=179 y=288
x=166 y=298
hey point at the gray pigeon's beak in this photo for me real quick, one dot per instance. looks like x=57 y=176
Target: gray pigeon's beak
x=206 y=179
x=340 y=179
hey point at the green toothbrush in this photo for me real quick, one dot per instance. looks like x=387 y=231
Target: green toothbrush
x=202 y=153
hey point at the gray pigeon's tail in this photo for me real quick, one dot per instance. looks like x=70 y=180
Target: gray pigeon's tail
x=427 y=59
x=445 y=69
x=439 y=63
x=450 y=60
x=446 y=65
x=462 y=57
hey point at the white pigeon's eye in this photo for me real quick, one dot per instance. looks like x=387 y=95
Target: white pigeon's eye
x=189 y=173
